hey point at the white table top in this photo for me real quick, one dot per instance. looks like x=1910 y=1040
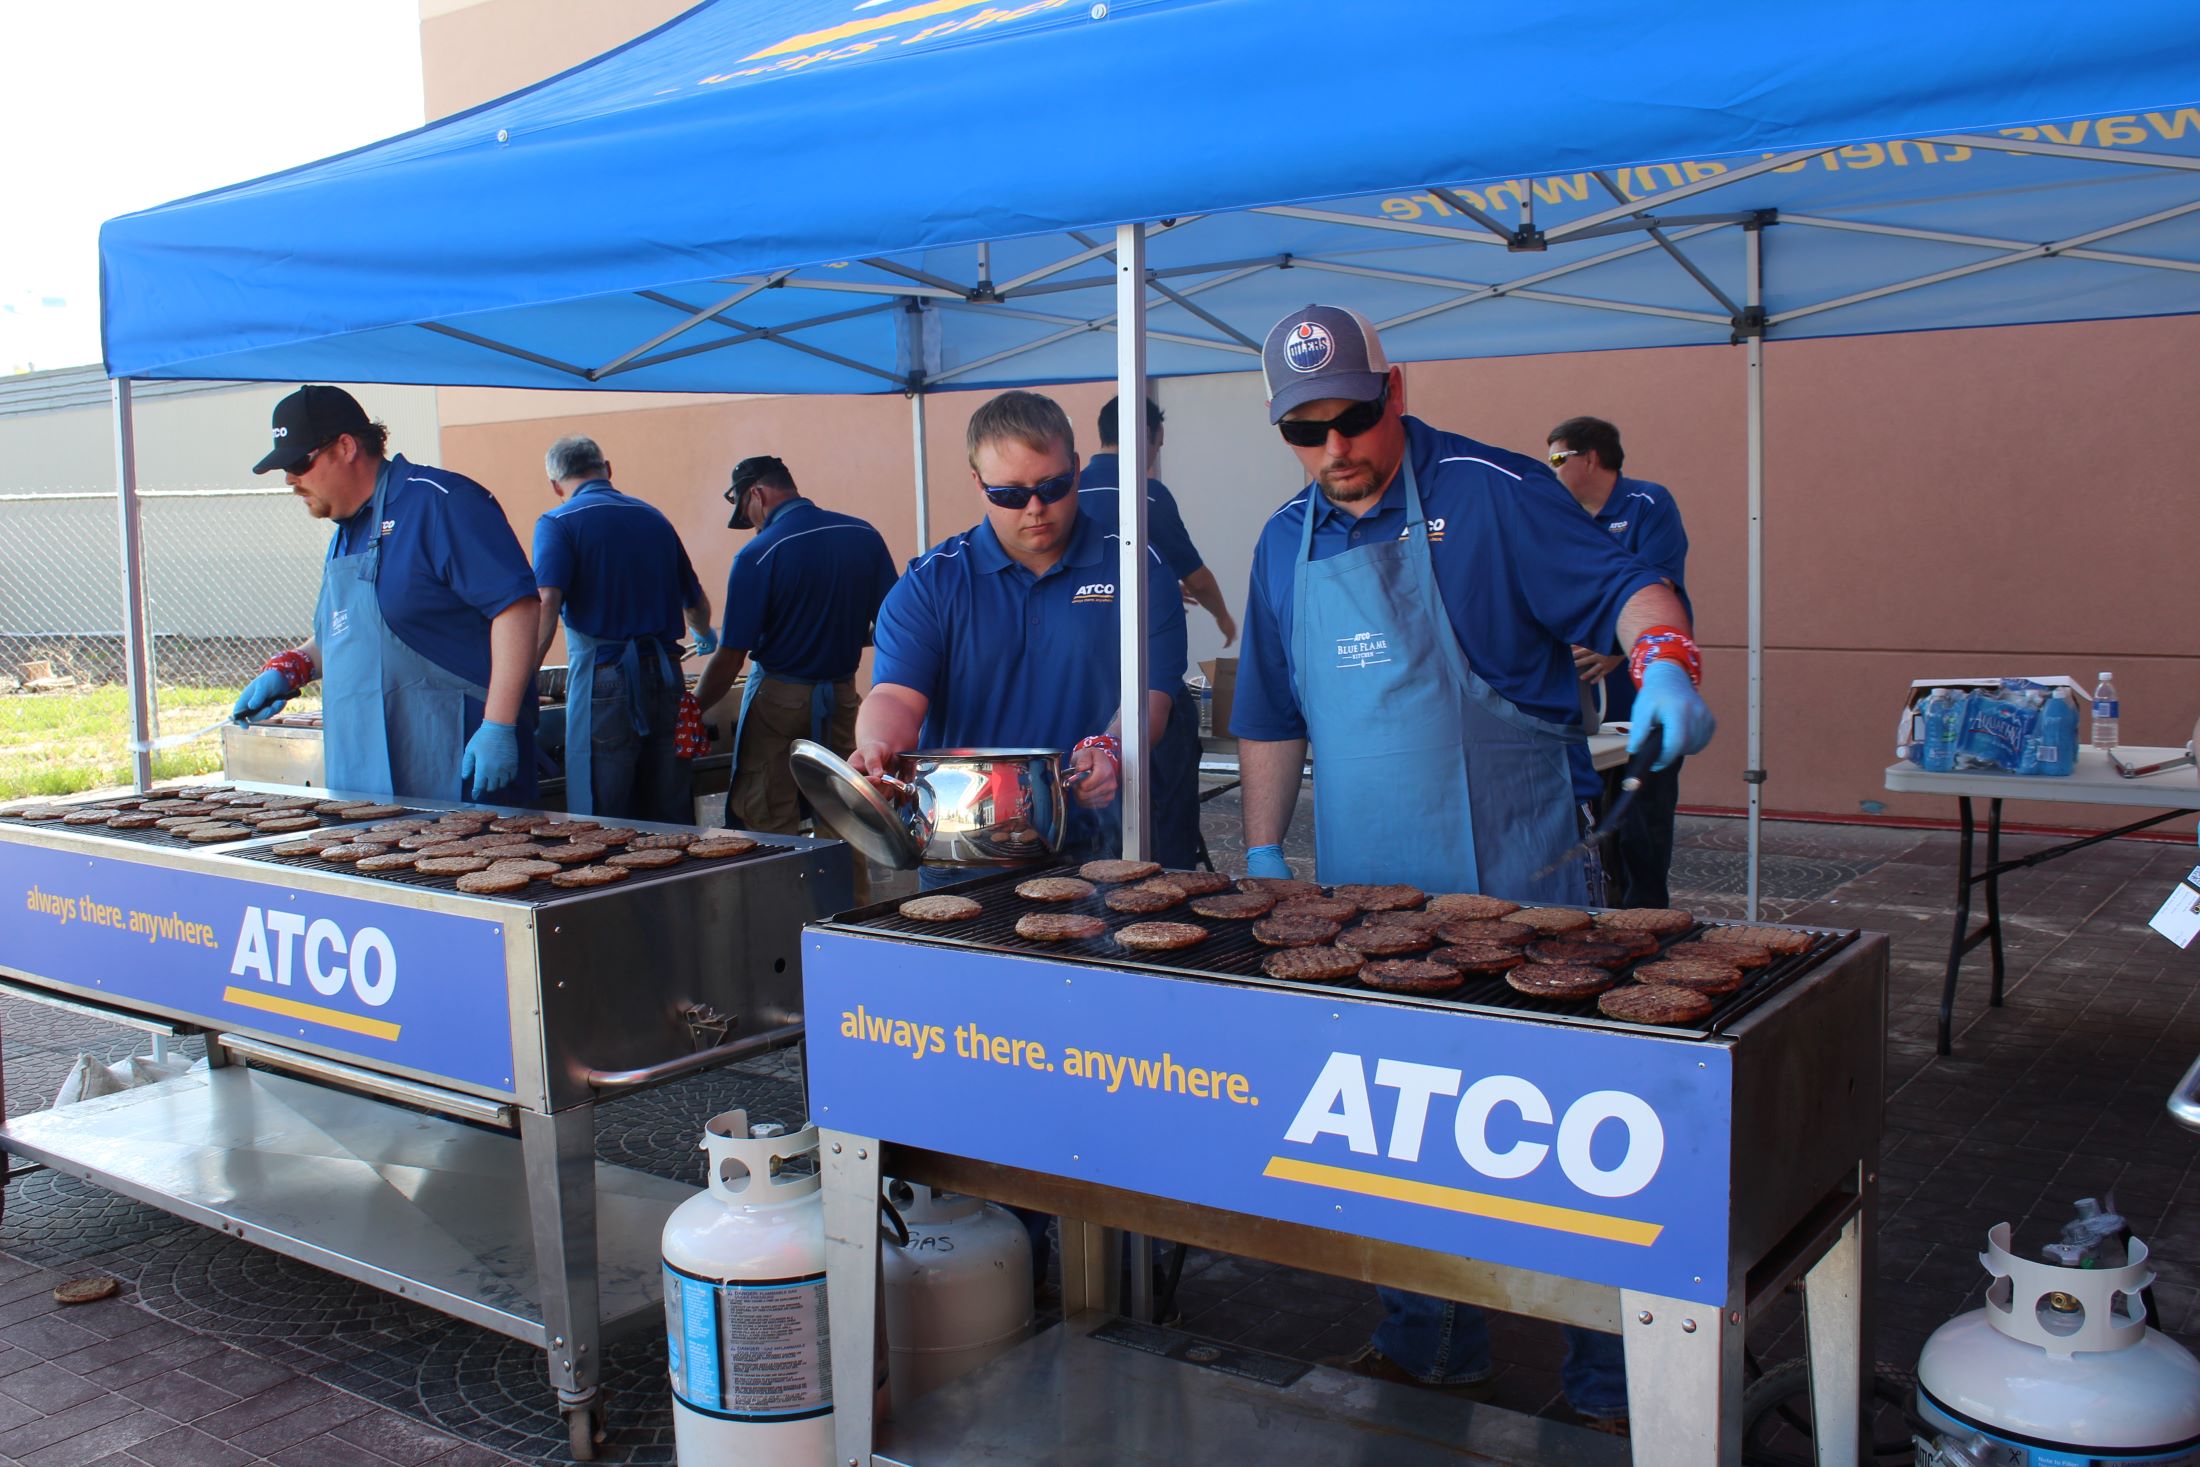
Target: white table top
x=2094 y=783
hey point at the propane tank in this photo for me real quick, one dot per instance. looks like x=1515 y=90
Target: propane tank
x=745 y=1321
x=2060 y=1367
x=958 y=1288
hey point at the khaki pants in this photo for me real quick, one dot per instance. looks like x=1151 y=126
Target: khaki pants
x=763 y=794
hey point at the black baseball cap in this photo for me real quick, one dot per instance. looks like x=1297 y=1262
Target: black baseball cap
x=745 y=473
x=305 y=420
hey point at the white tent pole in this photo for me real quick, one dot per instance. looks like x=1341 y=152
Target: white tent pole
x=924 y=474
x=1753 y=239
x=137 y=642
x=1130 y=580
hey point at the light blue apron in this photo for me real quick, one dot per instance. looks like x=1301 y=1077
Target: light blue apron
x=584 y=654
x=393 y=723
x=1422 y=773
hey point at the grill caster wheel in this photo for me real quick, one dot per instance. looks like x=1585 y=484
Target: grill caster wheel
x=584 y=1429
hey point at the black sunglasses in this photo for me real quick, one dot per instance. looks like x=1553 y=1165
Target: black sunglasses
x=1352 y=422
x=1050 y=491
x=307 y=462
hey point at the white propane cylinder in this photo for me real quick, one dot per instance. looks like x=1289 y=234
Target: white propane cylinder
x=2061 y=1368
x=745 y=1321
x=958 y=1292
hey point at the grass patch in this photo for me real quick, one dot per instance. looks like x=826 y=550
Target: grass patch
x=61 y=743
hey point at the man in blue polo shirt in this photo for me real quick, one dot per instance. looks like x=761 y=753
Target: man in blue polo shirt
x=1586 y=454
x=614 y=569
x=1176 y=756
x=800 y=601
x=1008 y=634
x=1410 y=619
x=424 y=634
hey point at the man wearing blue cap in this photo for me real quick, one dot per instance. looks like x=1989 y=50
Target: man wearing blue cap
x=1008 y=634
x=800 y=601
x=614 y=569
x=1411 y=619
x=424 y=635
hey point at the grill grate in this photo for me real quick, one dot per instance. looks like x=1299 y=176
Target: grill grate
x=169 y=840
x=1234 y=954
x=534 y=894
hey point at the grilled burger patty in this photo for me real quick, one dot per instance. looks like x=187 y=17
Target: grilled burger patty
x=1160 y=936
x=1513 y=934
x=1695 y=976
x=1578 y=952
x=1469 y=906
x=940 y=907
x=1732 y=954
x=1411 y=975
x=1113 y=872
x=1058 y=926
x=1146 y=896
x=1395 y=897
x=1479 y=957
x=1278 y=930
x=1559 y=981
x=1385 y=942
x=1282 y=888
x=1773 y=939
x=1335 y=909
x=1552 y=920
x=1242 y=906
x=1653 y=1003
x=1663 y=921
x=1054 y=889
x=1198 y=883
x=1312 y=964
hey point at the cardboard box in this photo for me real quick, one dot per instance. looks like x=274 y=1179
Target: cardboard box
x=1222 y=677
x=1909 y=730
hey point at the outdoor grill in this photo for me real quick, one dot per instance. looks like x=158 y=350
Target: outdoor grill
x=404 y=1075
x=1664 y=1183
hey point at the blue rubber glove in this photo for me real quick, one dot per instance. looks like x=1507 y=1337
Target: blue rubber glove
x=706 y=641
x=1267 y=861
x=263 y=697
x=1668 y=703
x=492 y=760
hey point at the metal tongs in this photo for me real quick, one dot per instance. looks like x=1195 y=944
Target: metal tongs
x=1638 y=769
x=2137 y=771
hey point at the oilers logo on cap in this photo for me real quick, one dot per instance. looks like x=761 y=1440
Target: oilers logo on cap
x=1309 y=348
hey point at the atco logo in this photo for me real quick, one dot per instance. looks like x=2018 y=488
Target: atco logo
x=1435 y=531
x=1309 y=347
x=1616 y=526
x=282 y=432
x=271 y=945
x=1097 y=591
x=339 y=623
x=1363 y=649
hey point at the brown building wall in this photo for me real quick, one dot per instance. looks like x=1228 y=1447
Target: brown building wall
x=1941 y=503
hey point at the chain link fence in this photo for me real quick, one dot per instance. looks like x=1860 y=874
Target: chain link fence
x=230 y=578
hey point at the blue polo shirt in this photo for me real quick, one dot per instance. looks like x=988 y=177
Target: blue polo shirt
x=450 y=563
x=1009 y=659
x=1099 y=495
x=1642 y=517
x=803 y=593
x=1523 y=574
x=619 y=564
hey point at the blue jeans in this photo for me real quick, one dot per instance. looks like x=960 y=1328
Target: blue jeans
x=1443 y=1343
x=636 y=776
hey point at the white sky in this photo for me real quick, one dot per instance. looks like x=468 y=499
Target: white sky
x=117 y=105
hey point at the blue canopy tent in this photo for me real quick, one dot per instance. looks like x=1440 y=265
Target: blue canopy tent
x=858 y=196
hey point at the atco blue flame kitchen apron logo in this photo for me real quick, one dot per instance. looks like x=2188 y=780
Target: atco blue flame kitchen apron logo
x=1545 y=1146
x=1363 y=649
x=1309 y=347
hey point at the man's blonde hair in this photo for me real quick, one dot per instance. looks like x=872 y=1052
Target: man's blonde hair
x=1030 y=418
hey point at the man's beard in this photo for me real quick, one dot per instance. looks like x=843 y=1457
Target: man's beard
x=1356 y=493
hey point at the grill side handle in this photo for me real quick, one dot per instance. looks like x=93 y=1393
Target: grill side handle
x=612 y=1082
x=2184 y=1101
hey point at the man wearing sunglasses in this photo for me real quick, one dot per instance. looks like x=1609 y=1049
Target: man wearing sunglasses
x=1007 y=635
x=424 y=635
x=1410 y=620
x=800 y=600
x=1586 y=455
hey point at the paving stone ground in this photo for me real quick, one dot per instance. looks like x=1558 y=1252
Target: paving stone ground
x=220 y=1353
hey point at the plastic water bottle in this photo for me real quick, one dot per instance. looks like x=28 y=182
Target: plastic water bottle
x=2055 y=741
x=1943 y=727
x=2107 y=713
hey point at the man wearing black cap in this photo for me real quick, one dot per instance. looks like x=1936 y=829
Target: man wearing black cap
x=424 y=635
x=800 y=599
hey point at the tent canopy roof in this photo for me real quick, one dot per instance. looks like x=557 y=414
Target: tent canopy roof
x=833 y=196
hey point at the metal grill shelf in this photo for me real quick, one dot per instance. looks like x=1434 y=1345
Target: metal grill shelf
x=1231 y=953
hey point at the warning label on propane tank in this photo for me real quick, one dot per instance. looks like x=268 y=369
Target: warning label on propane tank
x=749 y=1350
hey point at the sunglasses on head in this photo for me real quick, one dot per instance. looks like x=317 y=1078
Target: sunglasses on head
x=1352 y=422
x=1049 y=491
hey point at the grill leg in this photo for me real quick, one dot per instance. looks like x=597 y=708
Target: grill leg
x=853 y=1299
x=559 y=1151
x=1091 y=1268
x=1684 y=1380
x=1836 y=1298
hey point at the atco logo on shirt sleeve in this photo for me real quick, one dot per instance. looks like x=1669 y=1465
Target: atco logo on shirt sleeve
x=1309 y=347
x=1095 y=591
x=1363 y=649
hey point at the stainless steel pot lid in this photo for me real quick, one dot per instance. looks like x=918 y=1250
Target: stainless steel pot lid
x=858 y=811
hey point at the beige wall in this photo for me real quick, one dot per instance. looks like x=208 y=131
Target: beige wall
x=1940 y=503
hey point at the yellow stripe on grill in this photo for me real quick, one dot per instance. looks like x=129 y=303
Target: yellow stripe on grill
x=1459 y=1199
x=312 y=1013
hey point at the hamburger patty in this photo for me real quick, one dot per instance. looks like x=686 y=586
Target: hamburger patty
x=654 y=859
x=493 y=882
x=1058 y=926
x=1653 y=1003
x=1277 y=930
x=1732 y=954
x=1552 y=920
x=1054 y=889
x=940 y=907
x=1385 y=942
x=1411 y=975
x=575 y=854
x=586 y=876
x=1663 y=921
x=1282 y=888
x=1773 y=939
x=1198 y=883
x=1112 y=872
x=1160 y=936
x=1418 y=921
x=1240 y=906
x=1396 y=897
x=1479 y=957
x=1559 y=981
x=1513 y=934
x=1334 y=909
x=1696 y=977
x=1147 y=896
x=1471 y=906
x=449 y=865
x=720 y=847
x=668 y=840
x=1579 y=952
x=1312 y=964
